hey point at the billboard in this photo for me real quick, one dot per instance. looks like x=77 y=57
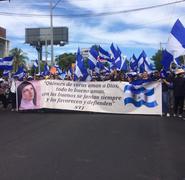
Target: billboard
x=2 y=33
x=41 y=35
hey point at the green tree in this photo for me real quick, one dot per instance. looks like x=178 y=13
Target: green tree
x=20 y=58
x=157 y=57
x=65 y=60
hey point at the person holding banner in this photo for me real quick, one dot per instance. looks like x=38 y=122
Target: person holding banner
x=166 y=84
x=26 y=96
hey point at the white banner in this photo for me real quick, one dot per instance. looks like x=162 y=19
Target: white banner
x=105 y=97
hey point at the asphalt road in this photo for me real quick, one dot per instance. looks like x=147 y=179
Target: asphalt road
x=88 y=146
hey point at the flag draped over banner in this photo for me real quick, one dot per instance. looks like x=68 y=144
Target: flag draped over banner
x=139 y=96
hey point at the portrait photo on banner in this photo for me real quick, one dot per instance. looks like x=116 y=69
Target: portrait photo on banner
x=28 y=95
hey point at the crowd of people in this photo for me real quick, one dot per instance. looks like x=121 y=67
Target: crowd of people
x=173 y=86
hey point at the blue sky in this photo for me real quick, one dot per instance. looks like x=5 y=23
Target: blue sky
x=132 y=32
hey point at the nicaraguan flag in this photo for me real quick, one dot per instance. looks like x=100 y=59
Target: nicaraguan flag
x=118 y=55
x=80 y=69
x=61 y=74
x=59 y=71
x=20 y=72
x=114 y=52
x=35 y=64
x=133 y=63
x=1 y=64
x=70 y=71
x=92 y=59
x=143 y=63
x=167 y=59
x=103 y=54
x=46 y=70
x=121 y=63
x=176 y=40
x=139 y=96
x=6 y=73
x=6 y=63
x=100 y=65
x=115 y=57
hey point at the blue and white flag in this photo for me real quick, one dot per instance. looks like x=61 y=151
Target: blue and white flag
x=143 y=63
x=114 y=52
x=115 y=57
x=167 y=60
x=92 y=59
x=133 y=63
x=70 y=71
x=46 y=71
x=140 y=96
x=62 y=75
x=35 y=64
x=120 y=62
x=80 y=70
x=176 y=40
x=6 y=63
x=6 y=73
x=59 y=71
x=20 y=73
x=103 y=54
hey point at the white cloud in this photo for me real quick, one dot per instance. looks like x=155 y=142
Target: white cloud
x=144 y=28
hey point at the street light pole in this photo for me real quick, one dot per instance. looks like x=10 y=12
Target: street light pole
x=51 y=32
x=51 y=29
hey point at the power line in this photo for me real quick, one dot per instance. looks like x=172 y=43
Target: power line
x=93 y=14
x=56 y=4
x=91 y=43
x=123 y=11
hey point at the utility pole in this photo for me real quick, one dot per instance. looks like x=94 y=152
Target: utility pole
x=52 y=7
x=51 y=32
x=161 y=45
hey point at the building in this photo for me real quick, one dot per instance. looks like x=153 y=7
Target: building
x=85 y=52
x=4 y=43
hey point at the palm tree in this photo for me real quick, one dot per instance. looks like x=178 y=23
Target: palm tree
x=20 y=58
